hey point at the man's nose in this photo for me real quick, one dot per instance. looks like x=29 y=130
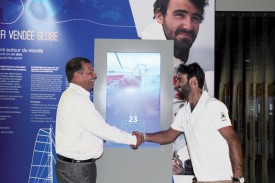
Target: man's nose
x=177 y=83
x=94 y=76
x=187 y=23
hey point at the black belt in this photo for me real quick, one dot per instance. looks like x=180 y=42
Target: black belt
x=62 y=158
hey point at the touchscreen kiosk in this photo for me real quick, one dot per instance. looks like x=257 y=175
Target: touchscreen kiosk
x=134 y=92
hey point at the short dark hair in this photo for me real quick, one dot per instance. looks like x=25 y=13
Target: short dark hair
x=74 y=65
x=193 y=70
x=162 y=6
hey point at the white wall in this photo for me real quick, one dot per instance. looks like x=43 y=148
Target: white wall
x=245 y=5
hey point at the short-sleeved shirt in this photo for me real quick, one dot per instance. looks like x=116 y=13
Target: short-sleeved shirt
x=208 y=149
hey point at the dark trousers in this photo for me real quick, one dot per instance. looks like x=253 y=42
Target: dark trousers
x=75 y=172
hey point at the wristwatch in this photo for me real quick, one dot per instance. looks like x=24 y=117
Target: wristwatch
x=240 y=179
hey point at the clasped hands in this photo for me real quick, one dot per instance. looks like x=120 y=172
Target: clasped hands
x=140 y=139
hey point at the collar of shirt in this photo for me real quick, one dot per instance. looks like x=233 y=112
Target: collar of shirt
x=201 y=101
x=203 y=97
x=80 y=89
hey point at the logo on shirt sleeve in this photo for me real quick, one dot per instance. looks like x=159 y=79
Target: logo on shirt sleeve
x=223 y=117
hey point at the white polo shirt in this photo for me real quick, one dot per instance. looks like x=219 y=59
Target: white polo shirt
x=208 y=149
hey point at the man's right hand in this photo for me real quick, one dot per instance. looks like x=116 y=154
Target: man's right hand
x=177 y=167
x=140 y=139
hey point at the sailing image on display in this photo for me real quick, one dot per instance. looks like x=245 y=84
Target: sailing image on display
x=133 y=92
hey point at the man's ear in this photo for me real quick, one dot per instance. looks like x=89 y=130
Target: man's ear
x=159 y=17
x=76 y=76
x=193 y=81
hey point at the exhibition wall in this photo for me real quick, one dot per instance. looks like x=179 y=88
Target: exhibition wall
x=37 y=38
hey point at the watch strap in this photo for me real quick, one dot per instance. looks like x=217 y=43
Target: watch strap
x=240 y=179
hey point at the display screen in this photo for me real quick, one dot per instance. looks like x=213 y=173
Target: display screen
x=133 y=93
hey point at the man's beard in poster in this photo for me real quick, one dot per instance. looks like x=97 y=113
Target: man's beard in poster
x=184 y=43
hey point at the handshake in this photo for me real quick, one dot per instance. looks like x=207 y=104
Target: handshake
x=140 y=139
